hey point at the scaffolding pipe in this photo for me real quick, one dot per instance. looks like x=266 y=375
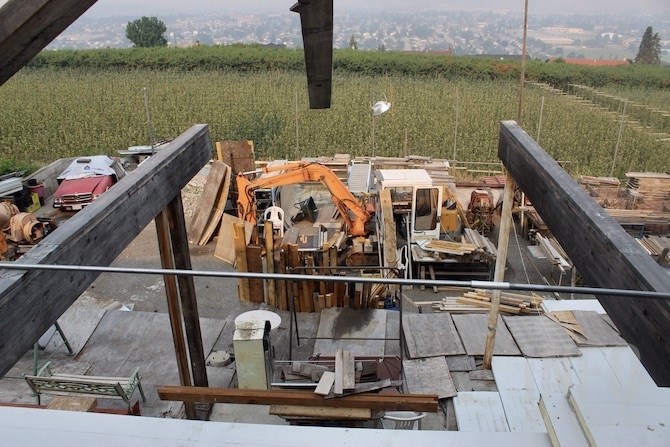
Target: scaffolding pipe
x=474 y=284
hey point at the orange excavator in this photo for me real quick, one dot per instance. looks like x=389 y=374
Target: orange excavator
x=301 y=172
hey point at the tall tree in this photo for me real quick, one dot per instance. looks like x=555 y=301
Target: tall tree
x=352 y=43
x=650 y=48
x=147 y=32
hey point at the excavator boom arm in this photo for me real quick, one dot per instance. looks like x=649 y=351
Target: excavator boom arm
x=295 y=173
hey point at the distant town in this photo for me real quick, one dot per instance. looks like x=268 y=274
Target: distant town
x=611 y=37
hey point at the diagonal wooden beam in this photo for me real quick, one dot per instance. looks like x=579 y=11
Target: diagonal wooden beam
x=316 y=19
x=604 y=254
x=27 y=26
x=31 y=301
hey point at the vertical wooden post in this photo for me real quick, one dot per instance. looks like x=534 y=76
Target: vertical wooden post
x=241 y=260
x=255 y=265
x=174 y=307
x=294 y=261
x=189 y=305
x=499 y=275
x=268 y=234
x=281 y=285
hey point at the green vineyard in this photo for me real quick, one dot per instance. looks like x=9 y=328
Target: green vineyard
x=50 y=112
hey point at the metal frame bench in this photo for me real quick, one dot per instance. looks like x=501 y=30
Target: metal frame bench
x=64 y=384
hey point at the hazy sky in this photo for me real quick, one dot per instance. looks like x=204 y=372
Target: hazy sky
x=166 y=7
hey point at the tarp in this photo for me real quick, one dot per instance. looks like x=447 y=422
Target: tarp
x=88 y=167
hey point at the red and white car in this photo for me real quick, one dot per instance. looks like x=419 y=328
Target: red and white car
x=85 y=180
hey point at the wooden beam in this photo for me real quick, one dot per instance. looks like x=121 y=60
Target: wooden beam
x=31 y=301
x=373 y=401
x=316 y=19
x=602 y=251
x=28 y=26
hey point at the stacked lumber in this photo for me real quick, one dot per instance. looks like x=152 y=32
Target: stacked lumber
x=510 y=303
x=603 y=182
x=554 y=252
x=482 y=243
x=651 y=185
x=658 y=248
x=654 y=221
x=454 y=306
x=450 y=248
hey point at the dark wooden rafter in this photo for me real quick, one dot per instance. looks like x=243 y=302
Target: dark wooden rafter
x=316 y=18
x=604 y=254
x=31 y=301
x=28 y=26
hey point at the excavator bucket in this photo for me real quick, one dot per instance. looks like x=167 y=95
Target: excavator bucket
x=307 y=210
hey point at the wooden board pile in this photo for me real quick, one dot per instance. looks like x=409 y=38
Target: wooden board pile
x=480 y=300
x=211 y=205
x=342 y=377
x=450 y=248
x=655 y=222
x=602 y=182
x=554 y=252
x=482 y=243
x=658 y=248
x=651 y=185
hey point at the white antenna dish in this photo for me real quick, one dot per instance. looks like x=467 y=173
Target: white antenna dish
x=380 y=107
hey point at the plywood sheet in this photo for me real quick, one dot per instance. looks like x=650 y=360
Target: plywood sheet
x=431 y=335
x=428 y=376
x=480 y=411
x=77 y=323
x=596 y=330
x=461 y=363
x=558 y=305
x=593 y=368
x=125 y=340
x=392 y=347
x=514 y=373
x=554 y=375
x=561 y=422
x=207 y=202
x=538 y=336
x=623 y=418
x=522 y=411
x=473 y=329
x=225 y=245
x=363 y=324
x=627 y=367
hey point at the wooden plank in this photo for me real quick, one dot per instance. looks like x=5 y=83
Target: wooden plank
x=390 y=249
x=280 y=286
x=225 y=245
x=348 y=375
x=326 y=383
x=366 y=387
x=255 y=265
x=561 y=422
x=627 y=366
x=28 y=26
x=31 y=301
x=538 y=336
x=239 y=155
x=597 y=331
x=373 y=401
x=428 y=376
x=623 y=418
x=320 y=412
x=241 y=261
x=269 y=263
x=73 y=403
x=207 y=202
x=431 y=335
x=338 y=388
x=480 y=411
x=604 y=254
x=293 y=258
x=473 y=327
x=219 y=207
x=592 y=368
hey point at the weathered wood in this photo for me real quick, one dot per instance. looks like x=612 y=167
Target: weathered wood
x=604 y=254
x=241 y=261
x=31 y=301
x=373 y=401
x=390 y=249
x=338 y=388
x=538 y=336
x=480 y=411
x=73 y=403
x=270 y=263
x=219 y=208
x=325 y=384
x=255 y=265
x=207 y=202
x=348 y=375
x=294 y=292
x=316 y=19
x=225 y=245
x=28 y=26
x=282 y=296
x=239 y=155
x=189 y=304
x=431 y=335
x=473 y=328
x=298 y=411
x=429 y=375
